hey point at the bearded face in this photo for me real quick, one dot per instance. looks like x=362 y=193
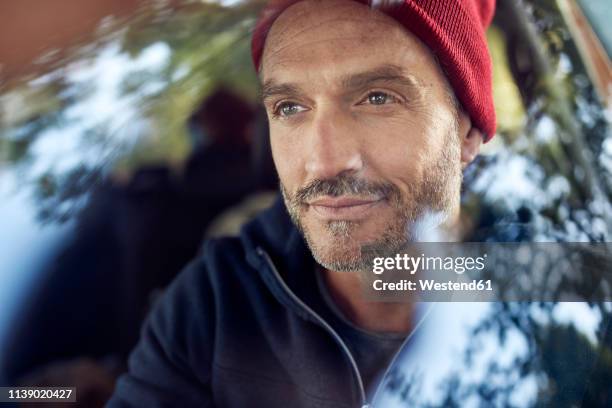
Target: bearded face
x=365 y=138
x=337 y=244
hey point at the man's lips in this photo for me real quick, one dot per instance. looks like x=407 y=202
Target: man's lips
x=344 y=208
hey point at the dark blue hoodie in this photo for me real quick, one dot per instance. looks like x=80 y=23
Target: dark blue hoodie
x=233 y=331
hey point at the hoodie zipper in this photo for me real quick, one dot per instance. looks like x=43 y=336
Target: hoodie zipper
x=322 y=323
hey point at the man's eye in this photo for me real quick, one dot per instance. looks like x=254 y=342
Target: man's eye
x=287 y=109
x=380 y=98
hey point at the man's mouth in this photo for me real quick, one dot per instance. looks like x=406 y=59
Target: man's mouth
x=344 y=208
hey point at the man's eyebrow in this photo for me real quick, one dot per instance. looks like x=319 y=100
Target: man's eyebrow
x=384 y=73
x=270 y=88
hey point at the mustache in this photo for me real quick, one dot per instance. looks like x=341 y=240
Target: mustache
x=344 y=184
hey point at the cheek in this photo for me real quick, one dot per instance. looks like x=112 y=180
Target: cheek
x=287 y=160
x=399 y=153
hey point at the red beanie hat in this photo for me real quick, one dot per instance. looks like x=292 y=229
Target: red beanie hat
x=454 y=30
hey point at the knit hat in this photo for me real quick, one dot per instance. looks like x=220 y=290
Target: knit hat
x=454 y=30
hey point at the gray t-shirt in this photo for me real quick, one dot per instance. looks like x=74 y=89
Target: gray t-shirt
x=373 y=351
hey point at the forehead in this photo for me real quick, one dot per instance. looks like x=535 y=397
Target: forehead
x=313 y=38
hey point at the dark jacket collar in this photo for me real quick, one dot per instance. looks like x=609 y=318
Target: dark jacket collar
x=273 y=232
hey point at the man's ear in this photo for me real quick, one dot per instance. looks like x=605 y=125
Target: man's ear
x=471 y=139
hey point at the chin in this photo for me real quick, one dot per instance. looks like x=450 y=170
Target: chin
x=338 y=258
x=337 y=245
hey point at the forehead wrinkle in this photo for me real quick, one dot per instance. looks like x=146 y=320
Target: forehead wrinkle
x=283 y=27
x=389 y=73
x=272 y=54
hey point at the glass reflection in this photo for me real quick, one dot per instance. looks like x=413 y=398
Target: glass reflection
x=95 y=147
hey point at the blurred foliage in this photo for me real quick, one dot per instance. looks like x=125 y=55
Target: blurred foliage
x=208 y=46
x=509 y=109
x=559 y=154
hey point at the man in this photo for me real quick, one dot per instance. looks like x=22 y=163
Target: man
x=374 y=110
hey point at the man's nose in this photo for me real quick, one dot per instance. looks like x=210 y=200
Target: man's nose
x=333 y=146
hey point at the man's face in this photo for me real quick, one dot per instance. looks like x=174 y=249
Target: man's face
x=363 y=132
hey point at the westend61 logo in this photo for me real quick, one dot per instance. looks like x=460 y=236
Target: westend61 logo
x=412 y=264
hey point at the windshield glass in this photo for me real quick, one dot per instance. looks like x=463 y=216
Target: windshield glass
x=104 y=197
